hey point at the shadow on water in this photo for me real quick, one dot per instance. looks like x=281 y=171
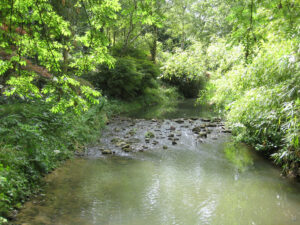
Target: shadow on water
x=212 y=182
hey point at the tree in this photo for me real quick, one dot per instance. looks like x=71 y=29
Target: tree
x=43 y=53
x=253 y=21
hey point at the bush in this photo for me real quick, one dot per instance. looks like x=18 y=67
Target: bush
x=185 y=70
x=127 y=80
x=35 y=141
x=262 y=102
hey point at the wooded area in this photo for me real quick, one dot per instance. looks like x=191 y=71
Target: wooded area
x=65 y=65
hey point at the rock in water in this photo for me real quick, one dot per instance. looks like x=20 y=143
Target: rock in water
x=216 y=119
x=202 y=126
x=206 y=119
x=202 y=134
x=211 y=125
x=196 y=130
x=149 y=134
x=127 y=149
x=180 y=121
x=106 y=152
x=172 y=128
x=226 y=131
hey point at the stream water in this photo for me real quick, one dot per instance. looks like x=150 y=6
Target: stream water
x=166 y=171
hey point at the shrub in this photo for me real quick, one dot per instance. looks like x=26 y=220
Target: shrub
x=33 y=142
x=185 y=70
x=262 y=99
x=127 y=80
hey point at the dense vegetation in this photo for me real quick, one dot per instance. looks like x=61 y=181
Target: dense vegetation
x=59 y=57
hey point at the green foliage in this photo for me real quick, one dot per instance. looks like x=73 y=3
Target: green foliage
x=164 y=99
x=42 y=43
x=262 y=100
x=185 y=69
x=254 y=21
x=129 y=78
x=34 y=141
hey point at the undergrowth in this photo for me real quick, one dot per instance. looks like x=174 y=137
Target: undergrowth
x=33 y=142
x=261 y=98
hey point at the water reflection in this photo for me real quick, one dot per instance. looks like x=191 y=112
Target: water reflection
x=188 y=187
x=239 y=156
x=215 y=183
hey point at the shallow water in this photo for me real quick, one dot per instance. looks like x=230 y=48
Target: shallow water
x=196 y=181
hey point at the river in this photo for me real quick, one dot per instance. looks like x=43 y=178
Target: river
x=164 y=171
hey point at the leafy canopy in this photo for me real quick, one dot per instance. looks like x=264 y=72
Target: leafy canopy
x=36 y=43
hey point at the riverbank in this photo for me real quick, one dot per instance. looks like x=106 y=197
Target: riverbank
x=35 y=141
x=166 y=171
